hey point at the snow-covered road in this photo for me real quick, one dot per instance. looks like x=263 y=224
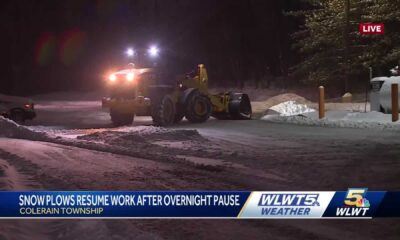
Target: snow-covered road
x=83 y=151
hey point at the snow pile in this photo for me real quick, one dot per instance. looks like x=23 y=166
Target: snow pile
x=143 y=135
x=375 y=120
x=292 y=112
x=260 y=107
x=11 y=129
x=151 y=133
x=291 y=108
x=146 y=142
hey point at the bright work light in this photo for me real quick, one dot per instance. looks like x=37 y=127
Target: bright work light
x=130 y=52
x=153 y=51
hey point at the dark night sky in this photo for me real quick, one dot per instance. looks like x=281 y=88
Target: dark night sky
x=49 y=45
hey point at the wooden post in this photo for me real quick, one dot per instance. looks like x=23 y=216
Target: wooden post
x=346 y=38
x=395 y=102
x=321 y=105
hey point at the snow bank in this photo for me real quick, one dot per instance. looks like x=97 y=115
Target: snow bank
x=375 y=120
x=262 y=107
x=301 y=114
x=291 y=108
x=142 y=135
x=10 y=129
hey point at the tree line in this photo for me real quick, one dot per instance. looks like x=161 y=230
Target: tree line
x=332 y=49
x=68 y=45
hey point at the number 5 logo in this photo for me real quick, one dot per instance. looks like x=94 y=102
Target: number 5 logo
x=354 y=195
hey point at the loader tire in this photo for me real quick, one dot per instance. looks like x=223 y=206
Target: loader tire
x=240 y=106
x=121 y=118
x=179 y=113
x=198 y=108
x=178 y=117
x=163 y=110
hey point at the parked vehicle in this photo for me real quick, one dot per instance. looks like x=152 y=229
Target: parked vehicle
x=18 y=109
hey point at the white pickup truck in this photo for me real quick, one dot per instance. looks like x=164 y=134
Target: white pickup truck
x=18 y=109
x=380 y=95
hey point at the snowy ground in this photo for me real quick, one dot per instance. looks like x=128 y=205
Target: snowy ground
x=72 y=146
x=340 y=116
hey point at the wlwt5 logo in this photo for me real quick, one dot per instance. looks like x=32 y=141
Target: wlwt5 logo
x=372 y=28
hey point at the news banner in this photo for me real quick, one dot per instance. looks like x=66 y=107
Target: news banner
x=353 y=203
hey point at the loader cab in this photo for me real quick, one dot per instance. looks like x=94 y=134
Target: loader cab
x=198 y=78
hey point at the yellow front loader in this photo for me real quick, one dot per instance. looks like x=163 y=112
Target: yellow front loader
x=134 y=92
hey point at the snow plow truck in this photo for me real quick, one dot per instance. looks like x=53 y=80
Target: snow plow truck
x=135 y=92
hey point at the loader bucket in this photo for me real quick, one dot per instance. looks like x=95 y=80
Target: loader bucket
x=239 y=106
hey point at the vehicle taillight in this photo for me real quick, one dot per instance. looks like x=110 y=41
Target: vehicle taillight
x=29 y=106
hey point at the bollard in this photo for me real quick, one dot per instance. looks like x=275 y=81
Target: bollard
x=321 y=104
x=395 y=102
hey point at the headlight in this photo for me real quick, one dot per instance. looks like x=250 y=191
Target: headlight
x=112 y=77
x=130 y=52
x=130 y=77
x=153 y=51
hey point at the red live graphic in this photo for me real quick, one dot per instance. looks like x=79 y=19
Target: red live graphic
x=372 y=28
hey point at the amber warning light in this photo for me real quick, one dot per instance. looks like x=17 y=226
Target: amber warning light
x=372 y=28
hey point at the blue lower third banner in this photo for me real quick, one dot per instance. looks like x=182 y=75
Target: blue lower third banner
x=354 y=203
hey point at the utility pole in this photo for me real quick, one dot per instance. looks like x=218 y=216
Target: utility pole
x=346 y=44
x=156 y=19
